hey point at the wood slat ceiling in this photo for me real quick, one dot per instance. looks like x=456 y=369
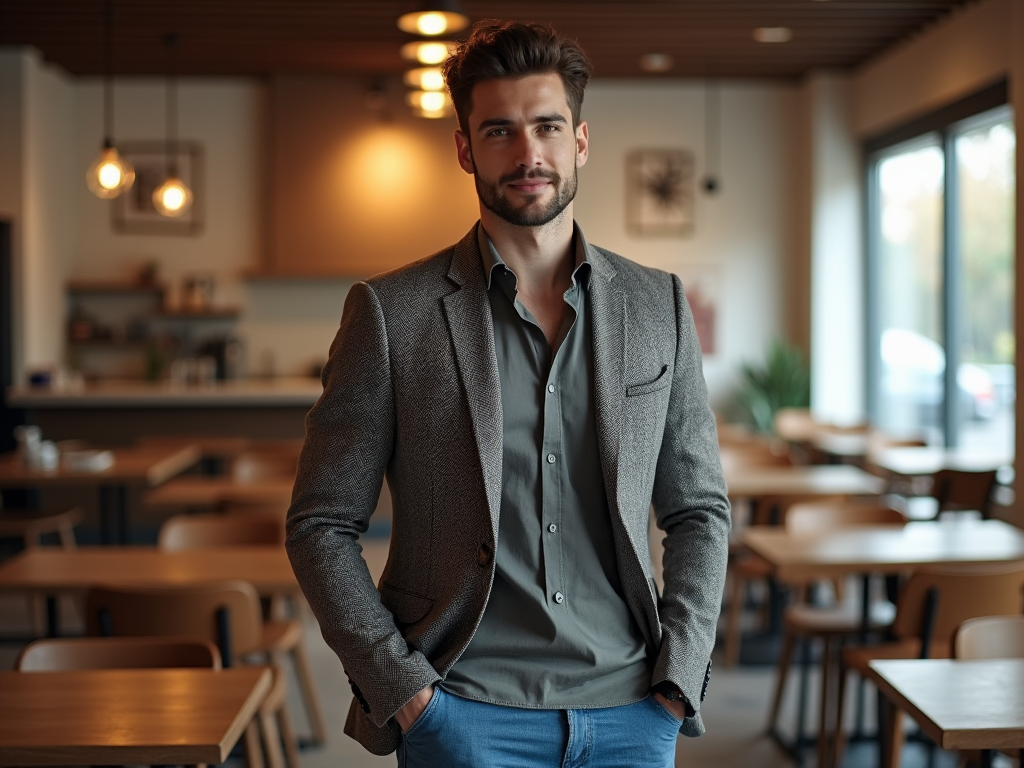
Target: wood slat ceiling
x=263 y=37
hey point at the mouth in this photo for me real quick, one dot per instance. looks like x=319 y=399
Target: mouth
x=529 y=186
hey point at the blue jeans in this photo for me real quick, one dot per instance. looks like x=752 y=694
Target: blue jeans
x=453 y=732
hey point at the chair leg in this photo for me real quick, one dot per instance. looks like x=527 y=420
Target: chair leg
x=304 y=673
x=291 y=745
x=837 y=733
x=271 y=739
x=781 y=676
x=826 y=667
x=251 y=744
x=732 y=621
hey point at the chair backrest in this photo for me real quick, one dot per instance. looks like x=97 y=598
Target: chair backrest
x=257 y=465
x=960 y=489
x=990 y=637
x=812 y=516
x=226 y=613
x=116 y=653
x=183 y=532
x=736 y=457
x=962 y=593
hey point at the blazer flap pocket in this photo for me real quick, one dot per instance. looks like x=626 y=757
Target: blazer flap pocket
x=659 y=382
x=407 y=608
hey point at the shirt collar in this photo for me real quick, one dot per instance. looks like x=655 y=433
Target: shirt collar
x=492 y=259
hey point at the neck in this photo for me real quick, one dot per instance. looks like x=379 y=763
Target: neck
x=542 y=257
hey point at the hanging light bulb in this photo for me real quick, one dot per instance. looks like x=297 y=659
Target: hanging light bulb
x=434 y=17
x=425 y=78
x=173 y=197
x=428 y=52
x=110 y=174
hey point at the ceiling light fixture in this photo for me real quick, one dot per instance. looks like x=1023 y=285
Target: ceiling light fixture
x=428 y=52
x=425 y=78
x=433 y=104
x=110 y=174
x=173 y=197
x=434 y=17
x=773 y=34
x=656 y=62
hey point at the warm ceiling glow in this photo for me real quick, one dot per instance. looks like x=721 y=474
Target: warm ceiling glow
x=773 y=34
x=173 y=197
x=432 y=22
x=656 y=62
x=425 y=78
x=430 y=53
x=109 y=175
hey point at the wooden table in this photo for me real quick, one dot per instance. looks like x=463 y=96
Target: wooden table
x=126 y=716
x=888 y=549
x=215 y=492
x=754 y=482
x=913 y=462
x=960 y=704
x=143 y=466
x=49 y=571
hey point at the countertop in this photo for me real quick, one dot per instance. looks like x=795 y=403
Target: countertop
x=277 y=392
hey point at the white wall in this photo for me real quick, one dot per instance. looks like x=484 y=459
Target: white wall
x=742 y=235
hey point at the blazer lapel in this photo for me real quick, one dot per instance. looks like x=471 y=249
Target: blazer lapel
x=471 y=326
x=609 y=327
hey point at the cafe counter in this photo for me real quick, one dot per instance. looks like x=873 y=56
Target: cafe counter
x=112 y=412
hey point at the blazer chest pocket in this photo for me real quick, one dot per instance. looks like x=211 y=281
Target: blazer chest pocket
x=660 y=381
x=404 y=606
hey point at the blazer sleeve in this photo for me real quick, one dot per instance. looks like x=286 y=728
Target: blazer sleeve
x=692 y=507
x=349 y=438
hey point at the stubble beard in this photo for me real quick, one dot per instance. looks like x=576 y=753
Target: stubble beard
x=528 y=214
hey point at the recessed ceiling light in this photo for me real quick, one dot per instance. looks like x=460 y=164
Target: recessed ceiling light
x=656 y=62
x=773 y=34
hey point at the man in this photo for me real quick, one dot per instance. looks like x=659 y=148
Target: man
x=528 y=397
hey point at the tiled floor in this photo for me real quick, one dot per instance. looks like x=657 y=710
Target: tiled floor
x=734 y=711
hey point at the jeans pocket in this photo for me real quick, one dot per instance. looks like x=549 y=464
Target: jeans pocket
x=663 y=711
x=426 y=714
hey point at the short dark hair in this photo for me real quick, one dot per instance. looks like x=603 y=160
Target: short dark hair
x=497 y=49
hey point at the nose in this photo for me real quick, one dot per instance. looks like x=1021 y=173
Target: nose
x=528 y=153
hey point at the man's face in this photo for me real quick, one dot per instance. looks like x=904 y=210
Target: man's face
x=522 y=149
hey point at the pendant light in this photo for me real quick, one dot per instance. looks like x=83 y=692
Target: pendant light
x=431 y=18
x=173 y=197
x=110 y=174
x=711 y=183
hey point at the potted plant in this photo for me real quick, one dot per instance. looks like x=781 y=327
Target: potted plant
x=782 y=381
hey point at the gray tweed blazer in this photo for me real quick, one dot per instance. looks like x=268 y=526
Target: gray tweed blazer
x=411 y=391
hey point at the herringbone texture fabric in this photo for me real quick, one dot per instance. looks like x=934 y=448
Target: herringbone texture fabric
x=411 y=389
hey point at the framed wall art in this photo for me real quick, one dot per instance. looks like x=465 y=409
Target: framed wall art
x=134 y=212
x=702 y=286
x=660 y=192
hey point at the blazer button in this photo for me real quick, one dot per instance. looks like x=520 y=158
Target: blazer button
x=483 y=555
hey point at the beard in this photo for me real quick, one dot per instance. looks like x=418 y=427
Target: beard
x=529 y=213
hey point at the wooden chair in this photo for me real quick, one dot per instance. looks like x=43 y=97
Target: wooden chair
x=52 y=655
x=803 y=623
x=958 y=489
x=931 y=606
x=283 y=635
x=226 y=613
x=185 y=532
x=990 y=637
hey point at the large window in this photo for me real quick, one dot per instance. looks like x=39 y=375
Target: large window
x=941 y=221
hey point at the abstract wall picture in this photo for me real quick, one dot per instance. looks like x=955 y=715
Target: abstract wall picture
x=660 y=193
x=702 y=286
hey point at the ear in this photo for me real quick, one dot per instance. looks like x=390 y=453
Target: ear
x=464 y=152
x=582 y=144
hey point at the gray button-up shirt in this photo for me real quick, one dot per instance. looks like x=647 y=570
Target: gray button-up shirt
x=556 y=632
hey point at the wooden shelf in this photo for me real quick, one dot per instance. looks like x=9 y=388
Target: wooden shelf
x=114 y=287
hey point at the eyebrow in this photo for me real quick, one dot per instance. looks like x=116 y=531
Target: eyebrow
x=500 y=122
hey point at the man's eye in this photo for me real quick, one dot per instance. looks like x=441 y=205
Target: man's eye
x=549 y=128
x=499 y=132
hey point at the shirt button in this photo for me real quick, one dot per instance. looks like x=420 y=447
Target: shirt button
x=552 y=528
x=551 y=387
x=559 y=598
x=551 y=458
